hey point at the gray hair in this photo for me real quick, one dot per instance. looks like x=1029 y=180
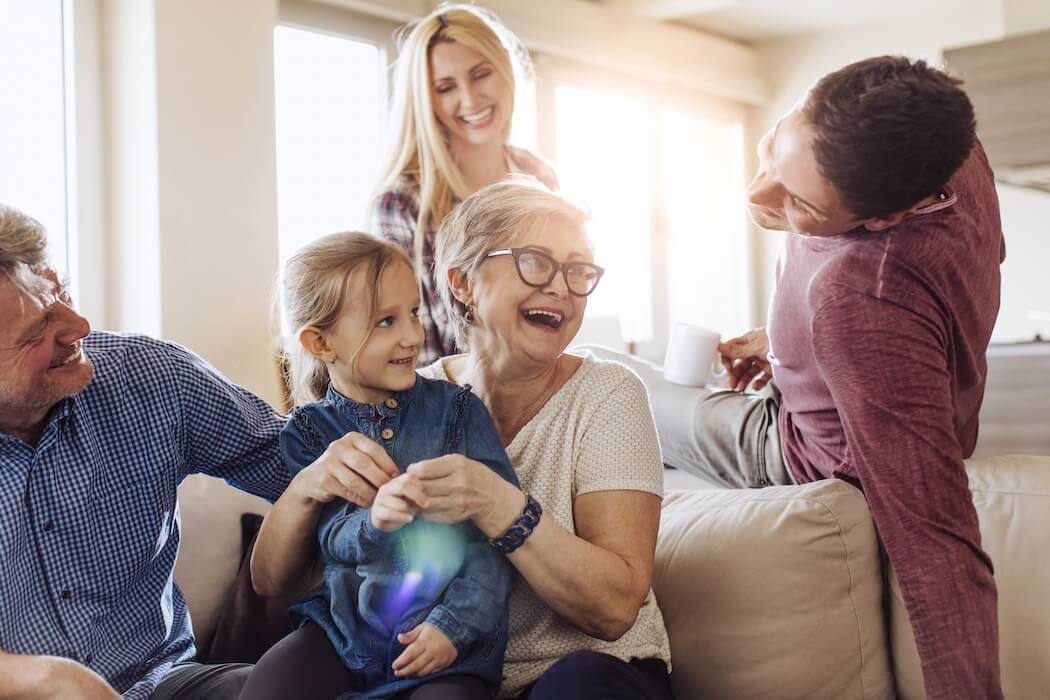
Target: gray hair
x=23 y=243
x=492 y=218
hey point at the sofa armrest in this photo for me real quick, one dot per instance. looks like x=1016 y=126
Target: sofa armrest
x=1012 y=498
x=674 y=407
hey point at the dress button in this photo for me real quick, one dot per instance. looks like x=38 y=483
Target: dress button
x=48 y=526
x=390 y=403
x=387 y=433
x=66 y=594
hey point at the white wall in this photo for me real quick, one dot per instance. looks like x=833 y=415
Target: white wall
x=217 y=182
x=191 y=217
x=129 y=87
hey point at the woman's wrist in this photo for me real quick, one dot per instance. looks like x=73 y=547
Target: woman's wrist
x=504 y=508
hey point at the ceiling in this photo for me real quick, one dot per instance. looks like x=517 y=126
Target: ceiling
x=758 y=20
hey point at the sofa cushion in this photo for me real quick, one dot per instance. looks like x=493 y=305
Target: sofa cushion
x=210 y=550
x=773 y=593
x=1012 y=498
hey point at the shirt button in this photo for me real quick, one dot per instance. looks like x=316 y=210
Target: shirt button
x=48 y=526
x=387 y=433
x=66 y=594
x=88 y=658
x=390 y=403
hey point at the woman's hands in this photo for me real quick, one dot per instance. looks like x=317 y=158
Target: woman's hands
x=747 y=358
x=460 y=489
x=397 y=503
x=353 y=467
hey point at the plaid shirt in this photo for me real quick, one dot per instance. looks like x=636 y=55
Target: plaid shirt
x=89 y=521
x=394 y=216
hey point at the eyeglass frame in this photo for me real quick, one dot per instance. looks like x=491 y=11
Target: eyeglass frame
x=556 y=267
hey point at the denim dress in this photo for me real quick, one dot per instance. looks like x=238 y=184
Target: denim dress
x=379 y=584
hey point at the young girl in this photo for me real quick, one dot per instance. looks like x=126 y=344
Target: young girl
x=407 y=606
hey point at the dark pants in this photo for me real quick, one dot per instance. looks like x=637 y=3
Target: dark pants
x=304 y=665
x=583 y=675
x=193 y=681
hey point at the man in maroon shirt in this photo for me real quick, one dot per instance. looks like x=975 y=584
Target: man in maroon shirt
x=887 y=292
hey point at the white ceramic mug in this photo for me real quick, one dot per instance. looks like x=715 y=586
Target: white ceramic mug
x=692 y=355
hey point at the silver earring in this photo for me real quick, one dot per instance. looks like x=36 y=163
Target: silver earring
x=468 y=315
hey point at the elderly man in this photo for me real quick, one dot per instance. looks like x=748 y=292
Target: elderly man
x=887 y=293
x=96 y=432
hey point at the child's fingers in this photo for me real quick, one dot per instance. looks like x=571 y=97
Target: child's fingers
x=387 y=519
x=410 y=655
x=410 y=636
x=411 y=490
x=415 y=665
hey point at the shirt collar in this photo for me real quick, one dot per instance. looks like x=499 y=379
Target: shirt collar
x=401 y=399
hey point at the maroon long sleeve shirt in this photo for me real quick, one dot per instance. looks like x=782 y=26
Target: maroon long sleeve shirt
x=878 y=347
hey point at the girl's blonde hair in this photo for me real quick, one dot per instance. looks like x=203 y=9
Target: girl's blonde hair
x=494 y=217
x=316 y=292
x=418 y=145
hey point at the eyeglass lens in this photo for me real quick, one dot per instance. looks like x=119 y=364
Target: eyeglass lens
x=538 y=269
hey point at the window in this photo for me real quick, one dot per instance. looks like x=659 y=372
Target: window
x=330 y=106
x=32 y=117
x=614 y=182
x=663 y=175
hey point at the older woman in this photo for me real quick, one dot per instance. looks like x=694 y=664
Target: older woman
x=517 y=268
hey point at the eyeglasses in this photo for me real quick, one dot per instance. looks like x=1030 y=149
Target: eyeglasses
x=538 y=269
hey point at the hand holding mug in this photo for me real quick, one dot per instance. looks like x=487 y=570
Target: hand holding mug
x=746 y=359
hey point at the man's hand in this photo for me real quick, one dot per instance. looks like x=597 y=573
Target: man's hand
x=746 y=359
x=428 y=651
x=353 y=467
x=397 y=503
x=50 y=678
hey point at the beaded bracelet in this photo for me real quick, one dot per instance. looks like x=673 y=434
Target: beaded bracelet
x=520 y=530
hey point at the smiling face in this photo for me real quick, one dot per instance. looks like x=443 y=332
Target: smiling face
x=789 y=193
x=41 y=360
x=523 y=322
x=386 y=362
x=470 y=97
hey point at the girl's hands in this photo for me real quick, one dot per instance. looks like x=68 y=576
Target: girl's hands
x=353 y=467
x=397 y=503
x=427 y=651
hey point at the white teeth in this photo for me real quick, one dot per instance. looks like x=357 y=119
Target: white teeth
x=540 y=312
x=479 y=117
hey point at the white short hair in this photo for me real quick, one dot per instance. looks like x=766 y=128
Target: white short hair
x=23 y=244
x=492 y=218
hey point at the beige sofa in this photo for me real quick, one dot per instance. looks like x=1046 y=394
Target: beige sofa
x=775 y=593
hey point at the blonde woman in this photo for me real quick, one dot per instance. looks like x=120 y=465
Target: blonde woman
x=450 y=118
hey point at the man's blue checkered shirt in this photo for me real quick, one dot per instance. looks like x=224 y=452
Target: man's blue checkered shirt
x=89 y=523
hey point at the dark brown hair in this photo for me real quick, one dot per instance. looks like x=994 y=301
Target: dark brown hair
x=889 y=132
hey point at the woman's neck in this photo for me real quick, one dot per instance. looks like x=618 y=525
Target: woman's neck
x=513 y=395
x=481 y=165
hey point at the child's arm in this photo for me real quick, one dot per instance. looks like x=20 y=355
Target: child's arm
x=344 y=530
x=354 y=535
x=474 y=604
